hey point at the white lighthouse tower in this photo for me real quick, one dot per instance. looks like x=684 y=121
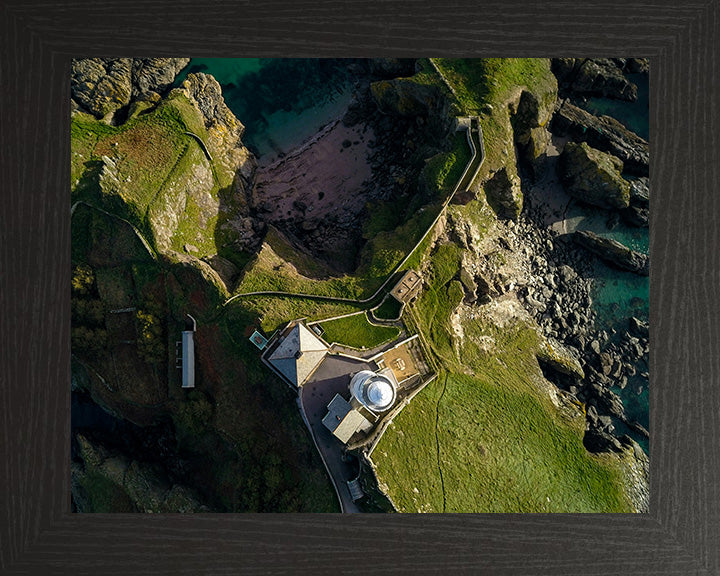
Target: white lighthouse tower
x=375 y=391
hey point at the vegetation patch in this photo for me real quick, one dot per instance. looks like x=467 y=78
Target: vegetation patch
x=438 y=299
x=389 y=309
x=443 y=170
x=272 y=312
x=357 y=332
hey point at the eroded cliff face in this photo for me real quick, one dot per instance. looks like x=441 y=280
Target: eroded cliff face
x=102 y=86
x=518 y=133
x=224 y=130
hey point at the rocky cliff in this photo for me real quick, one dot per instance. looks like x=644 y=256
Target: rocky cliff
x=103 y=481
x=594 y=176
x=604 y=133
x=598 y=76
x=102 y=86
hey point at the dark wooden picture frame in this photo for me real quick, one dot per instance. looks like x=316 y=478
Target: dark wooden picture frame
x=39 y=535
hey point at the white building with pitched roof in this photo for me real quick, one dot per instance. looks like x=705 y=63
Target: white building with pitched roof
x=297 y=354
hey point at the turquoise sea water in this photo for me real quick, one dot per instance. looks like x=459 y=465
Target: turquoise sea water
x=281 y=101
x=619 y=295
x=633 y=115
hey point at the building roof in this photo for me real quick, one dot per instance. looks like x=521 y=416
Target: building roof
x=407 y=287
x=298 y=354
x=188 y=359
x=258 y=339
x=342 y=419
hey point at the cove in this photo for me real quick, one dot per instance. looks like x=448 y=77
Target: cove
x=282 y=102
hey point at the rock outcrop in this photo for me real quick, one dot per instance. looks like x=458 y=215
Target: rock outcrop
x=603 y=133
x=613 y=252
x=560 y=359
x=503 y=194
x=101 y=86
x=389 y=68
x=593 y=176
x=224 y=130
x=638 y=213
x=406 y=97
x=594 y=77
x=534 y=110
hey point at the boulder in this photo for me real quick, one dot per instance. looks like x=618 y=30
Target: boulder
x=155 y=74
x=534 y=110
x=639 y=328
x=593 y=176
x=599 y=77
x=638 y=213
x=636 y=216
x=560 y=359
x=101 y=85
x=503 y=194
x=600 y=441
x=607 y=401
x=640 y=191
x=613 y=252
x=567 y=274
x=603 y=133
x=637 y=65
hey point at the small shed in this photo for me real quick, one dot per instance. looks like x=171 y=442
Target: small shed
x=188 y=354
x=408 y=286
x=258 y=339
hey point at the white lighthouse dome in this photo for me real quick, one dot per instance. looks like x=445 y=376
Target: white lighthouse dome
x=374 y=391
x=380 y=393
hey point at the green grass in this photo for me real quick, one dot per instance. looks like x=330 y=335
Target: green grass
x=280 y=267
x=440 y=297
x=496 y=82
x=357 y=332
x=485 y=436
x=155 y=159
x=443 y=171
x=389 y=309
x=473 y=444
x=272 y=312
x=480 y=81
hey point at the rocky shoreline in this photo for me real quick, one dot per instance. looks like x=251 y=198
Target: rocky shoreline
x=559 y=297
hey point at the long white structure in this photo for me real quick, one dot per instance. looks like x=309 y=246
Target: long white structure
x=188 y=356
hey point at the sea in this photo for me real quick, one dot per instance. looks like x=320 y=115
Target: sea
x=284 y=101
x=619 y=295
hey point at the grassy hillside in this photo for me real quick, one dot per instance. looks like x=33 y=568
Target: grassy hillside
x=221 y=427
x=159 y=179
x=487 y=436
